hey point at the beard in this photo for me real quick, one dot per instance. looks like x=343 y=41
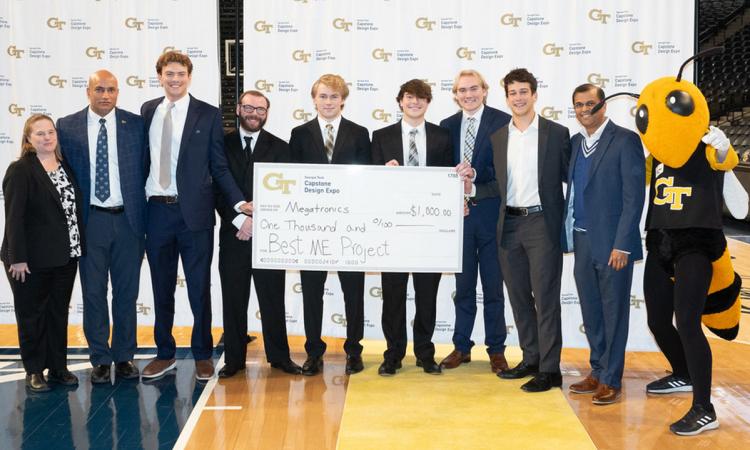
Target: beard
x=247 y=122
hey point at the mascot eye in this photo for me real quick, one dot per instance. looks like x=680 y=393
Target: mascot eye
x=680 y=102
x=641 y=119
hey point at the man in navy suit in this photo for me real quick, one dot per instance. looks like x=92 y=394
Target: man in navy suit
x=470 y=131
x=605 y=201
x=104 y=146
x=186 y=155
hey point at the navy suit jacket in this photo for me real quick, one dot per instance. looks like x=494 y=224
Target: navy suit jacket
x=200 y=163
x=613 y=196
x=73 y=135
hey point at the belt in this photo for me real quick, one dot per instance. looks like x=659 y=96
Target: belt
x=111 y=209
x=523 y=211
x=168 y=199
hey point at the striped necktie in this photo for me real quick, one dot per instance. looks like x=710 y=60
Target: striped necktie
x=469 y=139
x=413 y=153
x=329 y=142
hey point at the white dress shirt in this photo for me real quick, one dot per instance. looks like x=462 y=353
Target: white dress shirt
x=523 y=168
x=93 y=125
x=179 y=114
x=591 y=140
x=420 y=139
x=322 y=124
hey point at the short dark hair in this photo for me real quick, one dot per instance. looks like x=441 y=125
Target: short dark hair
x=255 y=94
x=585 y=87
x=417 y=88
x=174 y=57
x=519 y=75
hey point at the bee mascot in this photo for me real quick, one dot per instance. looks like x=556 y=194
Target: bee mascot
x=688 y=273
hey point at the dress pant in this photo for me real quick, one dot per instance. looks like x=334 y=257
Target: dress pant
x=480 y=258
x=393 y=319
x=604 y=295
x=41 y=306
x=236 y=270
x=313 y=289
x=112 y=249
x=532 y=267
x=167 y=239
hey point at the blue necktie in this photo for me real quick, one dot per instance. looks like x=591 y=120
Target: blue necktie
x=101 y=186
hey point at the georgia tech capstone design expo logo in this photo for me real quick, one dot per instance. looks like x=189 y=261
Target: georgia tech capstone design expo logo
x=301 y=55
x=16 y=110
x=134 y=81
x=300 y=114
x=263 y=85
x=381 y=115
x=509 y=20
x=641 y=47
x=551 y=49
x=274 y=181
x=133 y=22
x=339 y=23
x=55 y=23
x=15 y=52
x=380 y=54
x=423 y=23
x=262 y=26
x=597 y=80
x=94 y=52
x=338 y=319
x=56 y=81
x=465 y=53
x=597 y=15
x=548 y=112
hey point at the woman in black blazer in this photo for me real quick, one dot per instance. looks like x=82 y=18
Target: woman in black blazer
x=40 y=251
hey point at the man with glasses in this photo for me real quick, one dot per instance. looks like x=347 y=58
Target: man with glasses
x=249 y=144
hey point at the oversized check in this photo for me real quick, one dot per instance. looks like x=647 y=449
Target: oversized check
x=360 y=218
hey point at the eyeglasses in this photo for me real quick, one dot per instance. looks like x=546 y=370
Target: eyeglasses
x=250 y=108
x=589 y=105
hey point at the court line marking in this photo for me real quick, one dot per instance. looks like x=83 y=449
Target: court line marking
x=195 y=414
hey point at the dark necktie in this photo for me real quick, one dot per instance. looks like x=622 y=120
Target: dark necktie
x=101 y=185
x=248 y=148
x=329 y=142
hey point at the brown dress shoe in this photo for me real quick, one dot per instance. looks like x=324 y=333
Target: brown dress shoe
x=204 y=369
x=585 y=386
x=606 y=395
x=455 y=359
x=158 y=368
x=498 y=362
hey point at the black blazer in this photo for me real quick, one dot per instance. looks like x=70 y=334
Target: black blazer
x=36 y=229
x=269 y=148
x=554 y=157
x=387 y=144
x=352 y=144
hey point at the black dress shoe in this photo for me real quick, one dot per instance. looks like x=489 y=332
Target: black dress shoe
x=100 y=374
x=522 y=370
x=543 y=381
x=312 y=366
x=230 y=370
x=354 y=364
x=388 y=368
x=126 y=370
x=35 y=382
x=429 y=366
x=64 y=377
x=289 y=367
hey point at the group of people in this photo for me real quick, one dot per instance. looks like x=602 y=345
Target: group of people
x=105 y=185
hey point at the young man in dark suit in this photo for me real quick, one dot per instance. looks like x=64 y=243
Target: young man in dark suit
x=331 y=139
x=186 y=156
x=104 y=146
x=470 y=130
x=249 y=144
x=411 y=142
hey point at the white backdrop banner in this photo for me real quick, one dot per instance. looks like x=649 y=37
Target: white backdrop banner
x=379 y=44
x=50 y=47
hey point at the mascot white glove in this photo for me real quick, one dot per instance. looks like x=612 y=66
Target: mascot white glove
x=718 y=140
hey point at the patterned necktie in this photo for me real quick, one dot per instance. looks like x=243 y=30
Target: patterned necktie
x=470 y=139
x=165 y=155
x=329 y=142
x=413 y=153
x=248 y=148
x=101 y=186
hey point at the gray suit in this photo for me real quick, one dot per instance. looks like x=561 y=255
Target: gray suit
x=530 y=246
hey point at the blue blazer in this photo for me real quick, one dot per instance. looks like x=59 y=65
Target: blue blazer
x=72 y=133
x=614 y=194
x=200 y=163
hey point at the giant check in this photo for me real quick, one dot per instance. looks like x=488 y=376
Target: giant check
x=360 y=218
